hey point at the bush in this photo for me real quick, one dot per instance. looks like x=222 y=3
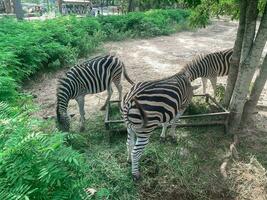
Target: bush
x=26 y=47
x=36 y=165
x=143 y=24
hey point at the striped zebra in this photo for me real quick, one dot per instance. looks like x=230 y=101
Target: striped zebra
x=209 y=66
x=150 y=104
x=92 y=76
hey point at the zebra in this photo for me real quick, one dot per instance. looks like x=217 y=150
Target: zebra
x=149 y=104
x=209 y=66
x=90 y=77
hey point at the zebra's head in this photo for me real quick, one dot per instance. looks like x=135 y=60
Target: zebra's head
x=63 y=96
x=63 y=121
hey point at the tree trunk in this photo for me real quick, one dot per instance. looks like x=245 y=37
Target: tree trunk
x=234 y=65
x=131 y=5
x=246 y=72
x=258 y=86
x=18 y=9
x=250 y=27
x=7 y=4
x=60 y=6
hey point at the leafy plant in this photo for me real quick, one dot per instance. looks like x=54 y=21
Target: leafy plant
x=26 y=47
x=34 y=164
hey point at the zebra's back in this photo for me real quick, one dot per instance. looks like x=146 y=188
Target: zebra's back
x=209 y=65
x=160 y=100
x=95 y=75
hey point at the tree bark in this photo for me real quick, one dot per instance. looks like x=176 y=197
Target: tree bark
x=131 y=6
x=257 y=88
x=7 y=4
x=60 y=6
x=18 y=9
x=234 y=65
x=245 y=75
x=250 y=27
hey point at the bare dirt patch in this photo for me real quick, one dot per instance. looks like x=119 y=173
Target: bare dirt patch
x=145 y=59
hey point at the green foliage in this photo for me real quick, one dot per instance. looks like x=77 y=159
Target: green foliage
x=201 y=14
x=34 y=164
x=26 y=47
x=220 y=91
x=261 y=6
x=139 y=24
x=208 y=8
x=192 y=3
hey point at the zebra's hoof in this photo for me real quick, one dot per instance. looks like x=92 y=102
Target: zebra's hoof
x=137 y=176
x=103 y=108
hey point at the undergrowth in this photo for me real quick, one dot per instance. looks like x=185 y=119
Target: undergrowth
x=186 y=170
x=35 y=164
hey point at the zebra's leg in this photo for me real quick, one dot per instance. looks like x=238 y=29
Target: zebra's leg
x=119 y=88
x=110 y=91
x=137 y=152
x=173 y=126
x=80 y=101
x=213 y=83
x=204 y=82
x=163 y=133
x=130 y=143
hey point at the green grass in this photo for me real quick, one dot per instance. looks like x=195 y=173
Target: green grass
x=188 y=169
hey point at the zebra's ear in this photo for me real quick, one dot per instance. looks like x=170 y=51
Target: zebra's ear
x=195 y=87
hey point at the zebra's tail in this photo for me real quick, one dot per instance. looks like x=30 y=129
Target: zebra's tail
x=126 y=75
x=142 y=112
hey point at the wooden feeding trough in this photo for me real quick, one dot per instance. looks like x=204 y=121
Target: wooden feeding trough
x=215 y=114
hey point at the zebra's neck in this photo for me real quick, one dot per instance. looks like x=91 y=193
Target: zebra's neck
x=62 y=103
x=191 y=70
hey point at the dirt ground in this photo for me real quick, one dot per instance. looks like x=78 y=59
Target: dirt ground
x=145 y=59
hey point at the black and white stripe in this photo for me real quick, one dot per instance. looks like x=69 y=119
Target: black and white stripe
x=92 y=76
x=209 y=66
x=150 y=104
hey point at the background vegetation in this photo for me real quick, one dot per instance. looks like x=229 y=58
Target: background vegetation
x=27 y=47
x=36 y=161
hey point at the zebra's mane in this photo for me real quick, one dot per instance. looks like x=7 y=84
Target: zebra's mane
x=197 y=59
x=60 y=82
x=89 y=60
x=194 y=61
